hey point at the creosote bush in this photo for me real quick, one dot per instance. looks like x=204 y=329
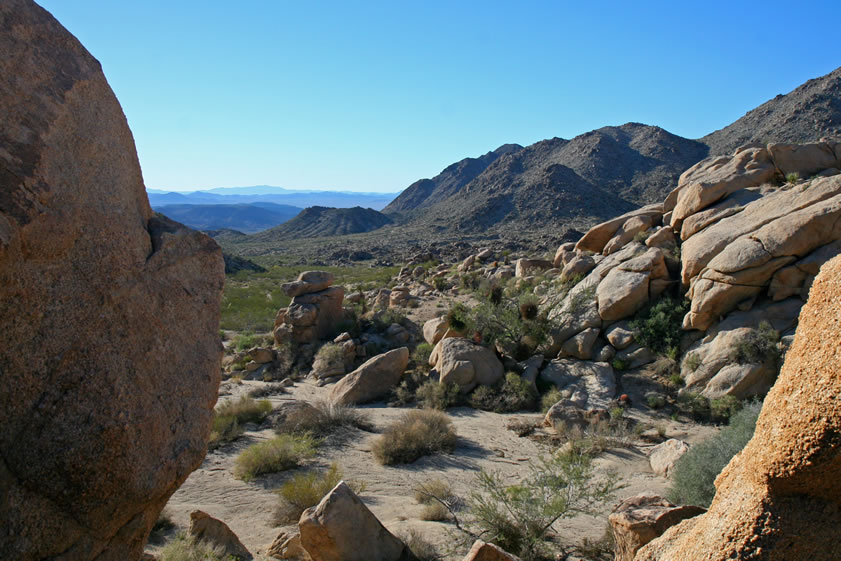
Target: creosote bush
x=519 y=517
x=659 y=327
x=421 y=356
x=229 y=417
x=417 y=433
x=512 y=394
x=307 y=489
x=435 y=395
x=695 y=472
x=278 y=454
x=550 y=398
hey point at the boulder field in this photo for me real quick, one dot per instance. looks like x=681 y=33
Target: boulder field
x=109 y=352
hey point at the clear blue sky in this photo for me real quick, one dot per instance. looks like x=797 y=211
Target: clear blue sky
x=371 y=96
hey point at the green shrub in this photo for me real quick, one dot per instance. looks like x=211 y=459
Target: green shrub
x=305 y=490
x=278 y=454
x=550 y=398
x=435 y=395
x=757 y=346
x=437 y=498
x=519 y=517
x=513 y=394
x=416 y=434
x=228 y=418
x=693 y=404
x=421 y=356
x=692 y=361
x=516 y=326
x=722 y=408
x=245 y=340
x=441 y=283
x=183 y=548
x=619 y=364
x=792 y=177
x=655 y=401
x=659 y=327
x=458 y=318
x=695 y=472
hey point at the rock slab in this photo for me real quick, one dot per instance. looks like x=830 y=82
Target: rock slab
x=372 y=380
x=109 y=351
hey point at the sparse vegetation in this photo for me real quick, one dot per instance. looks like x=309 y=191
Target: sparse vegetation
x=245 y=340
x=512 y=394
x=550 y=398
x=305 y=490
x=325 y=418
x=416 y=434
x=420 y=546
x=519 y=517
x=229 y=417
x=183 y=548
x=437 y=498
x=278 y=454
x=792 y=177
x=723 y=408
x=758 y=346
x=692 y=361
x=421 y=356
x=695 y=472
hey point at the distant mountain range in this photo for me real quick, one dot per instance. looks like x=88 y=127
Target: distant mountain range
x=269 y=194
x=319 y=222
x=247 y=218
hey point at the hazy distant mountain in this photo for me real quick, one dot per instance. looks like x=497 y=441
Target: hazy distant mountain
x=316 y=222
x=811 y=111
x=269 y=194
x=242 y=217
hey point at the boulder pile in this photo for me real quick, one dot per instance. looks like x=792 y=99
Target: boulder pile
x=315 y=310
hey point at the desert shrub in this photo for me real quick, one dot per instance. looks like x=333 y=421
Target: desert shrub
x=229 y=417
x=792 y=177
x=757 y=346
x=245 y=340
x=695 y=472
x=601 y=549
x=267 y=390
x=325 y=418
x=441 y=283
x=470 y=281
x=458 y=318
x=278 y=454
x=422 y=549
x=655 y=401
x=513 y=394
x=659 y=327
x=421 y=356
x=514 y=325
x=619 y=364
x=665 y=366
x=162 y=525
x=331 y=353
x=437 y=498
x=305 y=490
x=183 y=548
x=694 y=405
x=518 y=517
x=416 y=434
x=692 y=361
x=722 y=408
x=550 y=398
x=642 y=236
x=435 y=395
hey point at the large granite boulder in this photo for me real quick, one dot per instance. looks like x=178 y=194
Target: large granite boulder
x=780 y=498
x=639 y=519
x=314 y=312
x=109 y=351
x=464 y=363
x=213 y=531
x=372 y=380
x=598 y=236
x=341 y=528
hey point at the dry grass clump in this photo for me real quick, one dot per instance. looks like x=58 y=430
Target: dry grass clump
x=326 y=418
x=183 y=548
x=416 y=434
x=420 y=546
x=438 y=500
x=229 y=417
x=307 y=489
x=278 y=454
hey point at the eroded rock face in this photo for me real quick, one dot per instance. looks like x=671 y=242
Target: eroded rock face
x=639 y=519
x=780 y=498
x=483 y=551
x=313 y=313
x=205 y=528
x=109 y=350
x=466 y=364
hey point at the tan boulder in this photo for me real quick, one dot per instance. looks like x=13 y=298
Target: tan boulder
x=780 y=498
x=580 y=345
x=565 y=252
x=205 y=528
x=730 y=205
x=803 y=159
x=583 y=384
x=287 y=546
x=639 y=519
x=662 y=458
x=308 y=282
x=434 y=330
x=341 y=528
x=597 y=237
x=577 y=266
x=372 y=380
x=663 y=238
x=626 y=232
x=621 y=294
x=466 y=364
x=482 y=551
x=714 y=178
x=109 y=347
x=262 y=355
x=620 y=335
x=467 y=264
x=527 y=267
x=311 y=316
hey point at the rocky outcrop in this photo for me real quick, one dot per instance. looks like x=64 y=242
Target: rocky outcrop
x=466 y=364
x=373 y=380
x=527 y=267
x=341 y=528
x=587 y=389
x=313 y=313
x=780 y=498
x=287 y=546
x=205 y=528
x=639 y=519
x=109 y=351
x=482 y=551
x=663 y=457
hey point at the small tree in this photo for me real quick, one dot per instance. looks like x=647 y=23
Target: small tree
x=518 y=518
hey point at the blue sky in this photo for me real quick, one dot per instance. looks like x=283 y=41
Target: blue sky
x=371 y=96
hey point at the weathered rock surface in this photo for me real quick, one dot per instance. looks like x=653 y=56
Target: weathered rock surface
x=205 y=528
x=341 y=528
x=587 y=389
x=482 y=551
x=434 y=329
x=308 y=282
x=662 y=457
x=109 y=350
x=310 y=316
x=288 y=547
x=526 y=267
x=598 y=236
x=780 y=498
x=466 y=364
x=373 y=379
x=639 y=519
